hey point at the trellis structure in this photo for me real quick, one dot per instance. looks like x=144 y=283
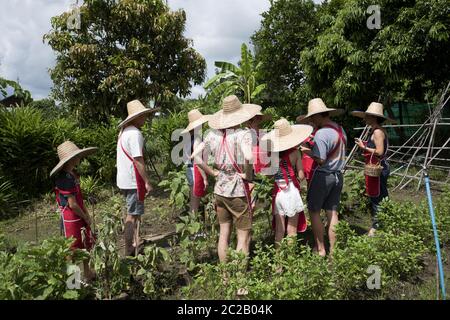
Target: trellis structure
x=419 y=151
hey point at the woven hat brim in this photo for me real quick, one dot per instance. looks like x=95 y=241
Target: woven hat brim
x=196 y=123
x=362 y=114
x=277 y=144
x=136 y=115
x=333 y=113
x=220 y=120
x=81 y=153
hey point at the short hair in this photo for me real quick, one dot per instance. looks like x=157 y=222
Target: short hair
x=325 y=114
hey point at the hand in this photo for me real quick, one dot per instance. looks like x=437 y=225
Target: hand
x=148 y=187
x=205 y=182
x=215 y=173
x=304 y=149
x=360 y=143
x=242 y=175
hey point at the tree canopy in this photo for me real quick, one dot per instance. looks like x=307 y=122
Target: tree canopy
x=122 y=50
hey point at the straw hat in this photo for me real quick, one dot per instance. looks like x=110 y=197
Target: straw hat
x=316 y=106
x=286 y=136
x=67 y=151
x=135 y=109
x=233 y=113
x=196 y=118
x=374 y=109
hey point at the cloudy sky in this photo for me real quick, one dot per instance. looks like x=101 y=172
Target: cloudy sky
x=217 y=27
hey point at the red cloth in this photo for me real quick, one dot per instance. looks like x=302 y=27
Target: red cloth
x=73 y=224
x=141 y=189
x=199 y=184
x=307 y=161
x=258 y=155
x=341 y=139
x=301 y=226
x=373 y=184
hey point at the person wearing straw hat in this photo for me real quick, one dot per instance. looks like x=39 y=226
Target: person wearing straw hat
x=260 y=157
x=374 y=152
x=328 y=152
x=231 y=148
x=76 y=221
x=307 y=161
x=196 y=177
x=132 y=177
x=287 y=205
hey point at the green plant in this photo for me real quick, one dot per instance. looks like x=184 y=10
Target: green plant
x=148 y=269
x=39 y=272
x=398 y=256
x=178 y=186
x=113 y=273
x=240 y=80
x=9 y=203
x=354 y=195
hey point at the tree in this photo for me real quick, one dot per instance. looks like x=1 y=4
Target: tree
x=239 y=80
x=288 y=27
x=407 y=58
x=18 y=91
x=123 y=50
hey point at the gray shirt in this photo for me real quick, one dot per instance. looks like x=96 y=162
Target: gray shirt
x=324 y=142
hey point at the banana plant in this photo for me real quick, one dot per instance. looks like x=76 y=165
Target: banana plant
x=232 y=79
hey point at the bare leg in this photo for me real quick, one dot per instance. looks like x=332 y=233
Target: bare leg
x=130 y=226
x=318 y=231
x=280 y=229
x=292 y=227
x=194 y=201
x=332 y=222
x=224 y=239
x=243 y=241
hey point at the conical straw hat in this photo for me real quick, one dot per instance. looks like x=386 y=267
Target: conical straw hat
x=374 y=109
x=233 y=113
x=196 y=118
x=135 y=109
x=285 y=136
x=316 y=106
x=67 y=151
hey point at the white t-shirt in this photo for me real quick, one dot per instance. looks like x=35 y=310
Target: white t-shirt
x=133 y=142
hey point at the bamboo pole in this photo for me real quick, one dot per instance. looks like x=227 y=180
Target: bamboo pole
x=363 y=136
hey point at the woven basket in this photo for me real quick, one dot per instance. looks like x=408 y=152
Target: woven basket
x=373 y=169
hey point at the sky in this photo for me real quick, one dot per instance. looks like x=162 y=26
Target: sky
x=217 y=28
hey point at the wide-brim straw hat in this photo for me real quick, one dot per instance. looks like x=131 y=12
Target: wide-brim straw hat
x=374 y=109
x=316 y=106
x=67 y=151
x=136 y=109
x=286 y=136
x=196 y=118
x=233 y=113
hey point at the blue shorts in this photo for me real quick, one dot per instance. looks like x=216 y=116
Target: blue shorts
x=134 y=206
x=190 y=176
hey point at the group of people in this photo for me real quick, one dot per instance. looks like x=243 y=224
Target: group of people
x=233 y=151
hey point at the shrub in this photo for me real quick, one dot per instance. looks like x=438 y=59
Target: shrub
x=397 y=255
x=39 y=272
x=178 y=186
x=9 y=199
x=285 y=273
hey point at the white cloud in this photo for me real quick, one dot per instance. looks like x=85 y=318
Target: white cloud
x=23 y=55
x=218 y=28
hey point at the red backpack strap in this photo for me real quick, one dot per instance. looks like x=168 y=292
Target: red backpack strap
x=291 y=172
x=238 y=169
x=341 y=139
